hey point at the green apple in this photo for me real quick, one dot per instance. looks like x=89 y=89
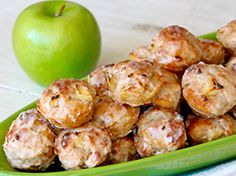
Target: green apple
x=56 y=39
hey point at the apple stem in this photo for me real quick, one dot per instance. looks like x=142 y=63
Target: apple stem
x=59 y=13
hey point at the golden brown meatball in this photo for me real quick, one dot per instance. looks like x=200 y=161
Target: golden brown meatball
x=213 y=52
x=200 y=129
x=29 y=143
x=145 y=53
x=170 y=93
x=159 y=131
x=134 y=83
x=177 y=49
x=97 y=78
x=123 y=150
x=209 y=89
x=83 y=147
x=67 y=103
x=231 y=64
x=227 y=36
x=117 y=118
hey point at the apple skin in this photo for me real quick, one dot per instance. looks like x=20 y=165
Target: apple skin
x=50 y=47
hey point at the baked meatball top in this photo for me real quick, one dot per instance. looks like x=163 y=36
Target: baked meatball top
x=83 y=147
x=67 y=103
x=213 y=52
x=177 y=49
x=98 y=79
x=29 y=143
x=117 y=118
x=210 y=90
x=159 y=131
x=227 y=36
x=200 y=129
x=123 y=150
x=134 y=83
x=170 y=93
x=145 y=53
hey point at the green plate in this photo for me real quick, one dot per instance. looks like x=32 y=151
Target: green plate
x=165 y=164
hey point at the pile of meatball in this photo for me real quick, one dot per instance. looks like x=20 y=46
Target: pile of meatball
x=176 y=92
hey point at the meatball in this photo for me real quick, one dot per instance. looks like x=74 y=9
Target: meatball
x=170 y=93
x=231 y=64
x=209 y=89
x=159 y=131
x=97 y=78
x=213 y=52
x=83 y=147
x=117 y=118
x=145 y=53
x=67 y=103
x=177 y=48
x=123 y=150
x=227 y=36
x=134 y=83
x=29 y=143
x=200 y=129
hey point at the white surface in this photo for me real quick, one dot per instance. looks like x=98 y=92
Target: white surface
x=125 y=25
